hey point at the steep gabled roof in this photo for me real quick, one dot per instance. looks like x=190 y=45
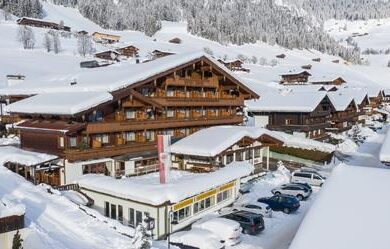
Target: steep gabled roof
x=341 y=100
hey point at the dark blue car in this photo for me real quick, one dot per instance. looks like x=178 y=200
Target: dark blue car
x=285 y=203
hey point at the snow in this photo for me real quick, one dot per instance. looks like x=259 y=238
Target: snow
x=340 y=100
x=10 y=140
x=75 y=197
x=214 y=140
x=198 y=237
x=347 y=213
x=63 y=103
x=359 y=94
x=8 y=208
x=225 y=228
x=23 y=157
x=286 y=101
x=384 y=153
x=150 y=191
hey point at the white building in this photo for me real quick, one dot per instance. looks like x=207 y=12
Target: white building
x=174 y=205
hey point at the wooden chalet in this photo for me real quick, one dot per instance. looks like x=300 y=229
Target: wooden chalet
x=82 y=32
x=105 y=38
x=327 y=81
x=281 y=56
x=386 y=96
x=159 y=54
x=235 y=65
x=41 y=24
x=305 y=113
x=110 y=55
x=177 y=100
x=316 y=59
x=307 y=67
x=376 y=97
x=295 y=78
x=128 y=51
x=11 y=222
x=336 y=61
x=345 y=113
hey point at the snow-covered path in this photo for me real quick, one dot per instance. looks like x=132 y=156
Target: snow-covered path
x=55 y=221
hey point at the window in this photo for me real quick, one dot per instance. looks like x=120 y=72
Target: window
x=72 y=141
x=182 y=214
x=224 y=195
x=61 y=142
x=170 y=93
x=107 y=209
x=131 y=217
x=204 y=204
x=130 y=136
x=239 y=156
x=229 y=158
x=120 y=214
x=113 y=211
x=138 y=218
x=170 y=113
x=105 y=139
x=288 y=121
x=130 y=114
x=149 y=135
x=257 y=152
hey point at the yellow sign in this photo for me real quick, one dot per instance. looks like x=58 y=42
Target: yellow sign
x=182 y=204
x=227 y=186
x=205 y=195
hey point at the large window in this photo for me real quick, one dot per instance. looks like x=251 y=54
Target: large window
x=120 y=213
x=138 y=218
x=107 y=209
x=149 y=135
x=72 y=141
x=130 y=114
x=61 y=142
x=170 y=113
x=131 y=217
x=257 y=152
x=229 y=158
x=204 y=204
x=113 y=211
x=105 y=139
x=130 y=136
x=224 y=195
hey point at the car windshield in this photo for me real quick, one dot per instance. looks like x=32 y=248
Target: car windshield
x=257 y=220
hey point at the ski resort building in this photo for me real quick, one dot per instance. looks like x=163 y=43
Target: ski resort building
x=27 y=21
x=336 y=81
x=104 y=121
x=301 y=113
x=172 y=206
x=105 y=38
x=295 y=78
x=128 y=51
x=210 y=149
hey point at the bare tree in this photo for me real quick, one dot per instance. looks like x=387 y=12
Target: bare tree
x=47 y=42
x=84 y=45
x=26 y=37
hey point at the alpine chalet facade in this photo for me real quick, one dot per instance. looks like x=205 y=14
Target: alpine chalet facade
x=176 y=95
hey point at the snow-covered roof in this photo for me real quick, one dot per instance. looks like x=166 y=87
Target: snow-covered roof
x=304 y=143
x=59 y=103
x=350 y=211
x=341 y=100
x=384 y=153
x=325 y=78
x=150 y=191
x=286 y=101
x=110 y=78
x=214 y=140
x=358 y=94
x=23 y=157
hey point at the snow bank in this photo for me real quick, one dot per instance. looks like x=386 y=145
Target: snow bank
x=305 y=143
x=10 y=140
x=59 y=103
x=351 y=211
x=24 y=157
x=347 y=146
x=384 y=153
x=150 y=191
x=212 y=141
x=8 y=208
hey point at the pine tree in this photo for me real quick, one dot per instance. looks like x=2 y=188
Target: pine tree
x=47 y=42
x=56 y=43
x=141 y=238
x=17 y=241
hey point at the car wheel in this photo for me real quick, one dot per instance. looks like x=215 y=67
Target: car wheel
x=277 y=193
x=286 y=210
x=300 y=197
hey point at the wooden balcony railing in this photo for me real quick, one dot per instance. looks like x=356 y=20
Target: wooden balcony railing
x=197 y=102
x=303 y=128
x=11 y=223
x=193 y=82
x=134 y=125
x=109 y=151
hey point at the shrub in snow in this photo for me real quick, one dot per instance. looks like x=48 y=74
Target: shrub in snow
x=84 y=45
x=47 y=42
x=141 y=238
x=17 y=241
x=26 y=37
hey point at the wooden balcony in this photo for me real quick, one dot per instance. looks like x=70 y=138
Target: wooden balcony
x=198 y=102
x=136 y=125
x=342 y=117
x=193 y=82
x=299 y=128
x=109 y=151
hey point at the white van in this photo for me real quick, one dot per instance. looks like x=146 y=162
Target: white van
x=310 y=178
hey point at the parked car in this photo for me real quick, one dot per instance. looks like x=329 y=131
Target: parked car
x=292 y=189
x=257 y=208
x=285 y=203
x=305 y=185
x=309 y=178
x=251 y=223
x=228 y=230
x=196 y=239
